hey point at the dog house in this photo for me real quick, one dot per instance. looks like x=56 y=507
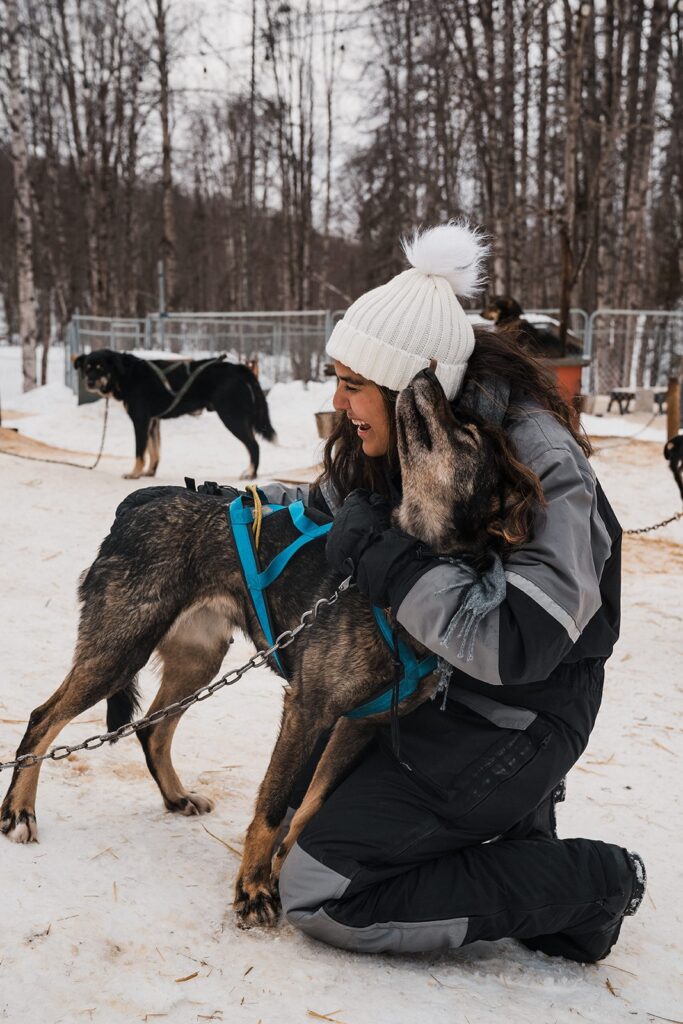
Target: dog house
x=567 y=371
x=566 y=368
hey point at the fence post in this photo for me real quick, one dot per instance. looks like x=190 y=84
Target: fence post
x=673 y=407
x=67 y=354
x=76 y=351
x=162 y=302
x=593 y=386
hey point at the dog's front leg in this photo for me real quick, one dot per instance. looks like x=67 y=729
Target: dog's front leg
x=256 y=897
x=141 y=425
x=346 y=744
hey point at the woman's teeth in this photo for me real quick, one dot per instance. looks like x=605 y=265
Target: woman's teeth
x=360 y=425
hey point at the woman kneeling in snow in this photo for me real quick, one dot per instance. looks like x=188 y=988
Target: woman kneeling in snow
x=457 y=841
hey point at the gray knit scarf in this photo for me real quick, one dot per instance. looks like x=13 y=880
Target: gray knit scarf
x=489 y=402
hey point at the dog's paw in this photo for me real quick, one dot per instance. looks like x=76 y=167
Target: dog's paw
x=191 y=804
x=249 y=473
x=256 y=905
x=19 y=826
x=131 y=476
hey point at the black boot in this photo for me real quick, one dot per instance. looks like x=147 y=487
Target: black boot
x=591 y=946
x=639 y=882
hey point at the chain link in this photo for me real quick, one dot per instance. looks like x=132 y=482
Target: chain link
x=256 y=661
x=664 y=522
x=64 y=462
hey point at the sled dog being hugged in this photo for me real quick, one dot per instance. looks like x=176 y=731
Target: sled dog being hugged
x=168 y=579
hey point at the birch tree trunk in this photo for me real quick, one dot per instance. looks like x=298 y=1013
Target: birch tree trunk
x=250 y=221
x=168 y=242
x=330 y=71
x=22 y=205
x=568 y=241
x=639 y=183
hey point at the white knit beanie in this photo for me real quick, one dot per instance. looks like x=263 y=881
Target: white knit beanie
x=392 y=332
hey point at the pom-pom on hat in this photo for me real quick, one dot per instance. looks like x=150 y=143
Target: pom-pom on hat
x=392 y=332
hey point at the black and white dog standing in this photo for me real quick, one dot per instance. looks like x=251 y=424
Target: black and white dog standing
x=152 y=390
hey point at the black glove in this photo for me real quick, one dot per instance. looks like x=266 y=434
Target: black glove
x=361 y=520
x=385 y=562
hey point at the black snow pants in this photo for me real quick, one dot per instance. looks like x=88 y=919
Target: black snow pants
x=434 y=853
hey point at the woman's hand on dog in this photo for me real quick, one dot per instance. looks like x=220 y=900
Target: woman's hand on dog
x=384 y=561
x=362 y=519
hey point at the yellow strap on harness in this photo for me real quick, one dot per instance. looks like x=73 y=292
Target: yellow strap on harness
x=258 y=513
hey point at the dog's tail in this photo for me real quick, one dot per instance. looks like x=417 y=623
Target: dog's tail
x=122 y=706
x=262 y=424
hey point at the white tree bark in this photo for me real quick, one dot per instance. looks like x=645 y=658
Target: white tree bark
x=168 y=245
x=22 y=204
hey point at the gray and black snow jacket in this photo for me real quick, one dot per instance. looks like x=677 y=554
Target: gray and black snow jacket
x=559 y=620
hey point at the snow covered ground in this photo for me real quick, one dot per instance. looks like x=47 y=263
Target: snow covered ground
x=122 y=912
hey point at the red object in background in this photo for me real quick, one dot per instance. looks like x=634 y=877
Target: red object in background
x=567 y=373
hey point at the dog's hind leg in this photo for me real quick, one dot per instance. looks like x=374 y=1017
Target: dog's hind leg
x=124 y=617
x=244 y=432
x=191 y=655
x=142 y=431
x=153 y=448
x=89 y=681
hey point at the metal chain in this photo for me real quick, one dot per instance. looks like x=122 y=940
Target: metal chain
x=664 y=522
x=64 y=462
x=256 y=661
x=629 y=437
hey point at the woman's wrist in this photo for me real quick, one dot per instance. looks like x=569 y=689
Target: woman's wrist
x=390 y=566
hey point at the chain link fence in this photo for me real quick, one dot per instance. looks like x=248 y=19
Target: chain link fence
x=627 y=349
x=633 y=349
x=288 y=345
x=578 y=322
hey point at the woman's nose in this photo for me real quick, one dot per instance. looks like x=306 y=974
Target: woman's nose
x=339 y=400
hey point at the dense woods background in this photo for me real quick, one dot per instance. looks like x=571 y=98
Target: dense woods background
x=556 y=125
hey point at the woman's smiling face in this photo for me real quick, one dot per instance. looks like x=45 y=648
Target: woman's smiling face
x=362 y=402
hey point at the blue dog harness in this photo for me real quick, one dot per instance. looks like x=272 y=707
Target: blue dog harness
x=414 y=670
x=257 y=582
x=241 y=518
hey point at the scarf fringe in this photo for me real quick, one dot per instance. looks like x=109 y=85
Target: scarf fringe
x=482 y=595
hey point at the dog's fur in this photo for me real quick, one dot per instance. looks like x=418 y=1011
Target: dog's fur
x=507 y=314
x=673 y=453
x=168 y=579
x=230 y=389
